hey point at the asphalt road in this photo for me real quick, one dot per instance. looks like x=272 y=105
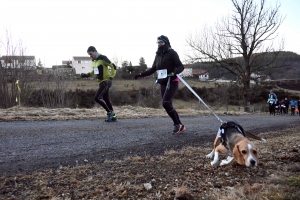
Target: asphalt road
x=28 y=146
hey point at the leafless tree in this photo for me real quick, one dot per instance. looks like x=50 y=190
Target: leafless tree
x=14 y=65
x=243 y=43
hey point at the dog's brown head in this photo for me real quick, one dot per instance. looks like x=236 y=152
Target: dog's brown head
x=245 y=153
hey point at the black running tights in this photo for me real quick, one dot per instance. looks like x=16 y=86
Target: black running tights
x=167 y=97
x=102 y=95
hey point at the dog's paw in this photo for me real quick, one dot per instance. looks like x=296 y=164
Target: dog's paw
x=213 y=163
x=227 y=161
x=223 y=162
x=210 y=155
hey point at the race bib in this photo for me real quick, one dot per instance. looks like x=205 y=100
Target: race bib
x=162 y=74
x=96 y=71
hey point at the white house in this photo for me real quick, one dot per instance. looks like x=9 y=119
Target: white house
x=187 y=72
x=82 y=64
x=26 y=62
x=202 y=74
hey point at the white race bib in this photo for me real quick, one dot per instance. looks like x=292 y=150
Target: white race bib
x=162 y=73
x=96 y=71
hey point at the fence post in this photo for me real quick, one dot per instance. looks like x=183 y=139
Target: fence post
x=247 y=107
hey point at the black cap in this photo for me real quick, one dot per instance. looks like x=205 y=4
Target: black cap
x=165 y=39
x=91 y=48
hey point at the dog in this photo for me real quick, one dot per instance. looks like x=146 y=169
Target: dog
x=232 y=140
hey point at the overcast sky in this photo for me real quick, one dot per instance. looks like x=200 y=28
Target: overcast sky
x=56 y=30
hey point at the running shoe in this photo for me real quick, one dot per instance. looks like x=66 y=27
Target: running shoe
x=111 y=117
x=182 y=129
x=177 y=128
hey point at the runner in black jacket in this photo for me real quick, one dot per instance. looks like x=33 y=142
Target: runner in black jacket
x=167 y=64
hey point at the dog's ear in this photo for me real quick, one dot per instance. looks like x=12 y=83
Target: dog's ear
x=238 y=155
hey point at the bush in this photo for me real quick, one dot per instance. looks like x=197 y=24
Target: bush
x=221 y=94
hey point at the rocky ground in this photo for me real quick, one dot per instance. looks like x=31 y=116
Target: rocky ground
x=183 y=174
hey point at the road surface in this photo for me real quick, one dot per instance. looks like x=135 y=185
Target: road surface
x=33 y=145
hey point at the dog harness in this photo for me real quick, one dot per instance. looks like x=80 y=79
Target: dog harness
x=223 y=129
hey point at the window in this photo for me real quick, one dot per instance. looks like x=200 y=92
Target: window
x=79 y=61
x=83 y=67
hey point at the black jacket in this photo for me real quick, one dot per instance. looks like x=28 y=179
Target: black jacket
x=169 y=60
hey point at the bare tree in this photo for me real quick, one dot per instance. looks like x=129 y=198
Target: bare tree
x=242 y=43
x=15 y=67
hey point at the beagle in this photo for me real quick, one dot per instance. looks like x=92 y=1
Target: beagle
x=231 y=140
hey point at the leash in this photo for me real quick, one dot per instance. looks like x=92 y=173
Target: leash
x=191 y=89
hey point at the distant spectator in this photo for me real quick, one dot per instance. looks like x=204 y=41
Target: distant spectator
x=277 y=107
x=272 y=101
x=299 y=107
x=294 y=105
x=282 y=107
x=286 y=103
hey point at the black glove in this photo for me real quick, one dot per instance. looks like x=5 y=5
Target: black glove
x=177 y=71
x=171 y=74
x=136 y=76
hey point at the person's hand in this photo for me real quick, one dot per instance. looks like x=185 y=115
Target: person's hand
x=136 y=76
x=176 y=71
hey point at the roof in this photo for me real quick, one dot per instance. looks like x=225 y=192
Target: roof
x=82 y=58
x=17 y=57
x=187 y=66
x=199 y=71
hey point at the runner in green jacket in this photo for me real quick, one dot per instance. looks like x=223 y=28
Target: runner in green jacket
x=105 y=71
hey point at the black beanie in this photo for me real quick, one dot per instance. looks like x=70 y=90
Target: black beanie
x=165 y=39
x=91 y=48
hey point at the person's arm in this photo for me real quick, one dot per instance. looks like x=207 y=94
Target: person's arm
x=147 y=72
x=178 y=65
x=112 y=66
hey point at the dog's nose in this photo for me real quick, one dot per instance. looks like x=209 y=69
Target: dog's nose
x=252 y=162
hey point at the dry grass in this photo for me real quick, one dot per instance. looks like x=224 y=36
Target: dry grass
x=123 y=85
x=32 y=114
x=184 y=174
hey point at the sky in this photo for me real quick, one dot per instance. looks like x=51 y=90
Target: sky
x=57 y=30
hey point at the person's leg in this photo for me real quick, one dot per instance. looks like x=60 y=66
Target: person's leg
x=106 y=97
x=292 y=110
x=102 y=97
x=272 y=109
x=281 y=110
x=102 y=91
x=167 y=97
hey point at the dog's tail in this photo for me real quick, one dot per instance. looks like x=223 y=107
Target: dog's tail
x=250 y=135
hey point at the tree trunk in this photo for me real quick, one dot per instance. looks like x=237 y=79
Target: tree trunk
x=247 y=96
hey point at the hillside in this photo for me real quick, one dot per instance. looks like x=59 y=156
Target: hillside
x=289 y=61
